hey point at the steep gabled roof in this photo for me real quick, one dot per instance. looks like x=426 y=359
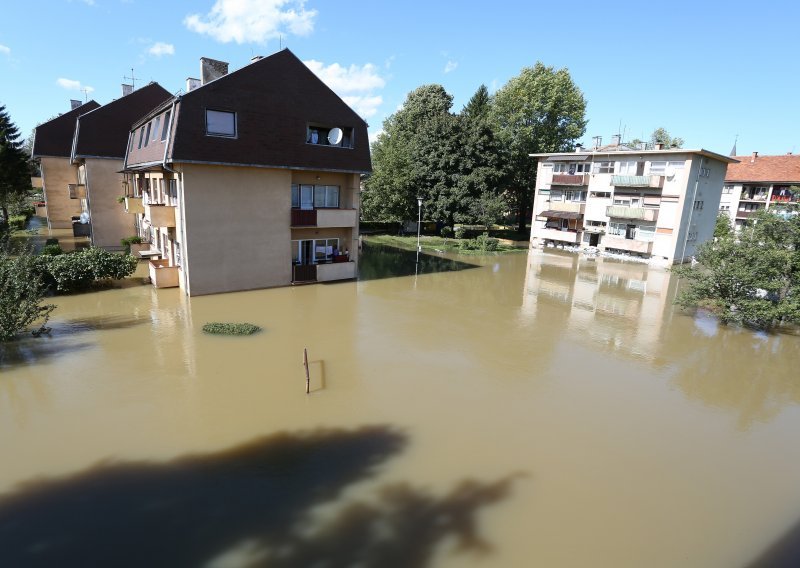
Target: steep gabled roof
x=767 y=169
x=275 y=99
x=54 y=137
x=104 y=131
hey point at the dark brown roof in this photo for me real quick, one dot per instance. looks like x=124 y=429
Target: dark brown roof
x=769 y=169
x=54 y=137
x=275 y=99
x=104 y=131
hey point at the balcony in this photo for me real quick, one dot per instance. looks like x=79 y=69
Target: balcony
x=567 y=179
x=638 y=213
x=568 y=206
x=753 y=197
x=652 y=182
x=76 y=190
x=304 y=273
x=748 y=214
x=134 y=205
x=324 y=218
x=162 y=275
x=160 y=215
x=571 y=237
x=336 y=271
x=630 y=245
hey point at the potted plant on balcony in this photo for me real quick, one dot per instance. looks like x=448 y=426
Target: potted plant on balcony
x=134 y=245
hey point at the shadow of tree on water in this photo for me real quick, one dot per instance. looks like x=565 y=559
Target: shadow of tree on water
x=247 y=506
x=383 y=261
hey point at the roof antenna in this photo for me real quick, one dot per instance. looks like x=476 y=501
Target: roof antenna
x=132 y=79
x=85 y=94
x=280 y=42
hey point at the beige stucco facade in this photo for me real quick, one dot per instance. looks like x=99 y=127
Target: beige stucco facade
x=110 y=222
x=57 y=174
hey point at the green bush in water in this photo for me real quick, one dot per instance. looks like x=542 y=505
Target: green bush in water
x=220 y=328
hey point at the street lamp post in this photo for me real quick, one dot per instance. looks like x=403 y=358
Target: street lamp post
x=419 y=247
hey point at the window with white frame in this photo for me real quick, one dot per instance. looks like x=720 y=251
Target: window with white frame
x=658 y=168
x=727 y=189
x=604 y=167
x=220 y=123
x=141 y=136
x=617 y=229
x=677 y=164
x=315 y=196
x=570 y=195
x=627 y=168
x=646 y=233
x=600 y=194
x=165 y=128
x=156 y=124
x=572 y=168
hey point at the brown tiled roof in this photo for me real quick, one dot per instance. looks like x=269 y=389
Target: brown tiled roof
x=773 y=169
x=104 y=131
x=275 y=98
x=54 y=137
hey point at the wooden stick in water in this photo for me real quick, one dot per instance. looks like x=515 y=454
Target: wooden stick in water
x=305 y=364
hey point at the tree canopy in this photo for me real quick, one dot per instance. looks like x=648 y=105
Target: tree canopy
x=14 y=168
x=751 y=277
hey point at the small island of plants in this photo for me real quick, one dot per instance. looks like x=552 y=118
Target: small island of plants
x=221 y=328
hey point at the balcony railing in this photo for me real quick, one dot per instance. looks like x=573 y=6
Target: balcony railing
x=655 y=182
x=630 y=245
x=336 y=271
x=557 y=235
x=324 y=218
x=162 y=275
x=134 y=205
x=76 y=190
x=753 y=197
x=746 y=214
x=160 y=215
x=304 y=273
x=639 y=213
x=570 y=179
x=567 y=206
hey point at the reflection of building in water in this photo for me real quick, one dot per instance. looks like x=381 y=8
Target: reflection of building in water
x=622 y=305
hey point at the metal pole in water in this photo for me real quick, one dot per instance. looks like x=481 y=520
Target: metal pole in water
x=305 y=364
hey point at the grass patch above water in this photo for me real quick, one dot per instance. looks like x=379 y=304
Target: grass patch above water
x=219 y=328
x=438 y=244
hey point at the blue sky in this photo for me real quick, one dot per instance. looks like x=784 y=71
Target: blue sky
x=706 y=71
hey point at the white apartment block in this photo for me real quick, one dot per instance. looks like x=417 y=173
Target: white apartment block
x=649 y=203
x=757 y=183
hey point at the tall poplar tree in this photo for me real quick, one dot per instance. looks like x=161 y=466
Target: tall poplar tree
x=14 y=170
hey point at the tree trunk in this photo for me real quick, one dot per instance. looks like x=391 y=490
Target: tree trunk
x=4 y=220
x=522 y=218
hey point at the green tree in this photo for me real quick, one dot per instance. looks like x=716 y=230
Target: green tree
x=750 y=278
x=23 y=291
x=540 y=110
x=723 y=228
x=14 y=168
x=661 y=136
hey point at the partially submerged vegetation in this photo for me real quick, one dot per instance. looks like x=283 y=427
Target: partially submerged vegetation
x=220 y=328
x=481 y=244
x=751 y=277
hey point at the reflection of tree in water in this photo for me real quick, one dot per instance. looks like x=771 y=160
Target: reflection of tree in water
x=381 y=261
x=251 y=505
x=739 y=370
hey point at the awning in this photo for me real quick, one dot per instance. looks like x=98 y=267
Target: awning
x=568 y=158
x=560 y=214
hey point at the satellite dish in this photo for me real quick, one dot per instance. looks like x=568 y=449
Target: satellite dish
x=335 y=136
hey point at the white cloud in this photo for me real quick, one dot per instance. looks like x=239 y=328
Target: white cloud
x=5 y=49
x=258 y=21
x=355 y=84
x=451 y=66
x=160 y=48
x=373 y=136
x=73 y=85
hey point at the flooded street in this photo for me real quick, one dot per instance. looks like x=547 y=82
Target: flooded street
x=517 y=410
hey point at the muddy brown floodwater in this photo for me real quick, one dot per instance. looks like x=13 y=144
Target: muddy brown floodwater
x=518 y=410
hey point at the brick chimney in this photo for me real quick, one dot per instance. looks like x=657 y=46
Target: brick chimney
x=211 y=69
x=192 y=84
x=73 y=104
x=126 y=89
x=753 y=157
x=659 y=146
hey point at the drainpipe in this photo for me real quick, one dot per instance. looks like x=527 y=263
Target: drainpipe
x=691 y=211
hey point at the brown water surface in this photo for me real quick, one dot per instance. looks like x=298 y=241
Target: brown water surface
x=540 y=410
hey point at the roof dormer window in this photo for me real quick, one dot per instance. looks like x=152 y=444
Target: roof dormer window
x=320 y=135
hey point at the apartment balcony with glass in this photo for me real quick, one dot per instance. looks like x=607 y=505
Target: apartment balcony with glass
x=320 y=206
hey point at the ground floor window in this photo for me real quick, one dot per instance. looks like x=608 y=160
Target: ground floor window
x=314 y=251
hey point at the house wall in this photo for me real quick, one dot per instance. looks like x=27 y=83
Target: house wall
x=57 y=173
x=110 y=222
x=234 y=228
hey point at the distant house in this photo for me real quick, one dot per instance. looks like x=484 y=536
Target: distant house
x=759 y=183
x=649 y=203
x=98 y=151
x=249 y=179
x=52 y=146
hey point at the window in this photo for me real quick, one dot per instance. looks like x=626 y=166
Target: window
x=677 y=165
x=220 y=123
x=658 y=168
x=177 y=259
x=574 y=196
x=314 y=251
x=646 y=233
x=604 y=167
x=315 y=196
x=166 y=126
x=727 y=189
x=705 y=172
x=572 y=168
x=327 y=135
x=155 y=128
x=617 y=229
x=698 y=205
x=724 y=207
x=141 y=136
x=602 y=194
x=147 y=135
x=173 y=191
x=627 y=168
x=691 y=236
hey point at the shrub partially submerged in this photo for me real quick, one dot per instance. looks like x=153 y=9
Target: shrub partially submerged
x=220 y=328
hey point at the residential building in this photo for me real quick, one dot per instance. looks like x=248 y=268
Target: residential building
x=758 y=183
x=649 y=203
x=98 y=152
x=249 y=179
x=52 y=146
